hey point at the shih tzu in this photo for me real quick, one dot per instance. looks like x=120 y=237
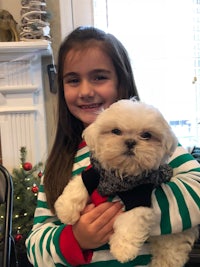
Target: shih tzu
x=130 y=145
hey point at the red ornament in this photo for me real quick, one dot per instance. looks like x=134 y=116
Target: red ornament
x=18 y=237
x=34 y=189
x=40 y=174
x=27 y=166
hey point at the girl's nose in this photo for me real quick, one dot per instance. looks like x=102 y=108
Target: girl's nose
x=86 y=89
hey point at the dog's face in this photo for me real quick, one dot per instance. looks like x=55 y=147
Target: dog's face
x=130 y=137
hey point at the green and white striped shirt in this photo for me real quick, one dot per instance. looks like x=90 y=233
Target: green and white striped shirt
x=176 y=205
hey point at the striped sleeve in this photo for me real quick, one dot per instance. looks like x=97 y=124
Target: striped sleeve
x=177 y=203
x=43 y=240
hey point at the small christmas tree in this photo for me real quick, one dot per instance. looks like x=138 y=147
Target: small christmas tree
x=26 y=180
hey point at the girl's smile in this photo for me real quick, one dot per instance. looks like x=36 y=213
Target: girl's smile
x=92 y=107
x=90 y=83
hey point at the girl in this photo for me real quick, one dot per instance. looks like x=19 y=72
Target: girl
x=93 y=72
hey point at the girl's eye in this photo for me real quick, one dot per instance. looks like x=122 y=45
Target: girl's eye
x=72 y=81
x=100 y=78
x=146 y=135
x=116 y=131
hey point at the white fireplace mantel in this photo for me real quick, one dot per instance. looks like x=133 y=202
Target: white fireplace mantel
x=22 y=108
x=25 y=46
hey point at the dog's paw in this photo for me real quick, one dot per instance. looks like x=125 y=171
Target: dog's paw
x=122 y=249
x=67 y=211
x=172 y=250
x=72 y=201
x=131 y=230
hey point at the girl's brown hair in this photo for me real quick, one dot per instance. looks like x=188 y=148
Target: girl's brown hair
x=69 y=129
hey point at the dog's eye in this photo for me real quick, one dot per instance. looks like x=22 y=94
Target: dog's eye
x=116 y=131
x=146 y=135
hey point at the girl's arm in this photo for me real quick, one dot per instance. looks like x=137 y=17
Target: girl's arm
x=177 y=203
x=43 y=240
x=52 y=243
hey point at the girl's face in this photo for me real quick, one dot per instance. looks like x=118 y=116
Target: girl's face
x=90 y=83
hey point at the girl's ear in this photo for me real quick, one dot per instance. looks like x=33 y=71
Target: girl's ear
x=89 y=135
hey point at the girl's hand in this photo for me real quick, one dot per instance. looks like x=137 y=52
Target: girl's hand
x=96 y=224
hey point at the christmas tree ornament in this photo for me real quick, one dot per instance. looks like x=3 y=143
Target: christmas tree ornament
x=40 y=174
x=27 y=166
x=18 y=237
x=34 y=189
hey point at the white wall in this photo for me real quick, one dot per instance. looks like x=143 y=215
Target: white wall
x=75 y=13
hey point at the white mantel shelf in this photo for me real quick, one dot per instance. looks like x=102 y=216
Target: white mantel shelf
x=26 y=46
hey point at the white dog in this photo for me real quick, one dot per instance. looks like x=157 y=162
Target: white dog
x=130 y=144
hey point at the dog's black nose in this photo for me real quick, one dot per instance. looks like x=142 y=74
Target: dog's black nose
x=130 y=143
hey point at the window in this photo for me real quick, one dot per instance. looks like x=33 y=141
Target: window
x=162 y=39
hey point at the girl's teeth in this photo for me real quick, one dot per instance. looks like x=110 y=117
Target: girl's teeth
x=91 y=106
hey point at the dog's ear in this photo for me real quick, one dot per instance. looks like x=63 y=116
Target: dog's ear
x=89 y=135
x=171 y=142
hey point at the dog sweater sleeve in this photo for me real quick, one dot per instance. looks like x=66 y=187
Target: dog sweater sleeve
x=71 y=250
x=90 y=179
x=138 y=196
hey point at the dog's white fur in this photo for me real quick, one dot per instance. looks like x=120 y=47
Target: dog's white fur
x=154 y=144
